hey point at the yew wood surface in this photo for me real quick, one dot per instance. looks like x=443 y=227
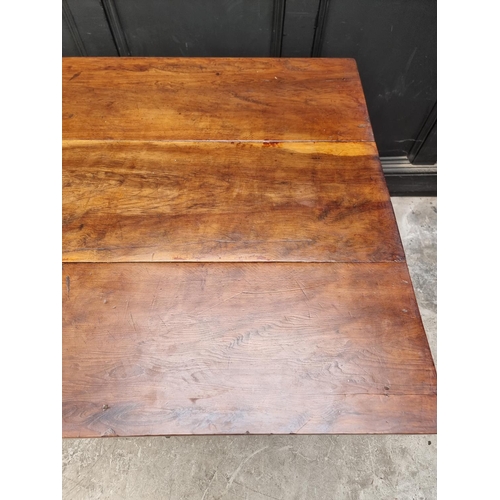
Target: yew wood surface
x=231 y=260
x=208 y=99
x=168 y=201
x=235 y=348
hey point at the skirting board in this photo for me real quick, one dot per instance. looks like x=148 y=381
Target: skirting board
x=405 y=179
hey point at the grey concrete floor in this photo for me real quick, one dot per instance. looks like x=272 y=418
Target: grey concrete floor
x=276 y=467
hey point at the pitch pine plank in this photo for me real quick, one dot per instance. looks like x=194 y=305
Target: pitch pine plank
x=235 y=348
x=213 y=99
x=136 y=201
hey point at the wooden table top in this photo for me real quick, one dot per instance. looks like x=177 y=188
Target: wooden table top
x=231 y=260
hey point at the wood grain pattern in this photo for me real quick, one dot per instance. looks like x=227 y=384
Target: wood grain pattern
x=222 y=164
x=213 y=99
x=212 y=201
x=235 y=348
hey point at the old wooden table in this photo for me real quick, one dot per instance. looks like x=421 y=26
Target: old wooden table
x=231 y=261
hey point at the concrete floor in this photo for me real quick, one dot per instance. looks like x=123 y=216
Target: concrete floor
x=276 y=467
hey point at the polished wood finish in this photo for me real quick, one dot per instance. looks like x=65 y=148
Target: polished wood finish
x=213 y=99
x=231 y=261
x=194 y=348
x=211 y=201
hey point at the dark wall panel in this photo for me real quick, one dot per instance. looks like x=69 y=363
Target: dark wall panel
x=298 y=29
x=85 y=29
x=426 y=140
x=93 y=27
x=217 y=28
x=394 y=43
x=427 y=154
x=69 y=47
